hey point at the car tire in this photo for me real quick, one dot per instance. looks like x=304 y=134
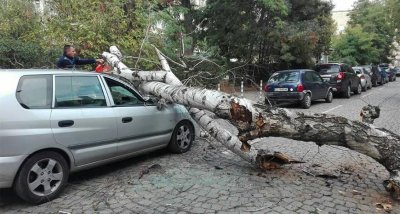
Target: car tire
x=347 y=93
x=306 y=101
x=42 y=177
x=375 y=83
x=359 y=89
x=329 y=97
x=182 y=138
x=365 y=88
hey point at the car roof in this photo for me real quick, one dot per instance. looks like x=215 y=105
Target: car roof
x=333 y=63
x=22 y=72
x=294 y=70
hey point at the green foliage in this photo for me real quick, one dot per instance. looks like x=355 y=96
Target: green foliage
x=356 y=47
x=266 y=33
x=375 y=20
x=284 y=33
x=19 y=35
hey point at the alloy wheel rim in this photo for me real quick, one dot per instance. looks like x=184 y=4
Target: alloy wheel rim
x=45 y=177
x=349 y=91
x=184 y=137
x=308 y=101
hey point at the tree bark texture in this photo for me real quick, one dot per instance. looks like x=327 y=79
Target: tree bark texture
x=256 y=121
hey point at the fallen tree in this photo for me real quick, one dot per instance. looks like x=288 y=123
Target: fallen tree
x=254 y=120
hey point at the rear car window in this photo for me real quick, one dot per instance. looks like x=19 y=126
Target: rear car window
x=326 y=69
x=35 y=91
x=281 y=77
x=78 y=92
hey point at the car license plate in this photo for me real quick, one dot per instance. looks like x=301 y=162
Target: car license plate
x=281 y=89
x=327 y=79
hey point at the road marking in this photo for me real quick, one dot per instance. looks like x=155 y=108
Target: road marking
x=332 y=109
x=367 y=95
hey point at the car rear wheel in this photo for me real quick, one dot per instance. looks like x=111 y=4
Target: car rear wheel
x=182 y=138
x=329 y=97
x=42 y=177
x=375 y=83
x=306 y=102
x=359 y=89
x=347 y=93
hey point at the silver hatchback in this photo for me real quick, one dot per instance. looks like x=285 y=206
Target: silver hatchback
x=53 y=122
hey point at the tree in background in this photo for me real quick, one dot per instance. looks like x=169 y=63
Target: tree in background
x=93 y=25
x=20 y=37
x=355 y=47
x=374 y=19
x=308 y=32
x=286 y=34
x=264 y=34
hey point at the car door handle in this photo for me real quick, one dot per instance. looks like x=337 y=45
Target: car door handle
x=66 y=123
x=127 y=119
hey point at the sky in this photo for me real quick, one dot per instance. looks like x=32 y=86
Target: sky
x=343 y=4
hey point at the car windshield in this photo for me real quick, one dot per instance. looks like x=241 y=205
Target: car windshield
x=281 y=77
x=325 y=69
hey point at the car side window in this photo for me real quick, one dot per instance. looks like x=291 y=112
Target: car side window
x=35 y=91
x=308 y=77
x=78 y=92
x=122 y=94
x=316 y=77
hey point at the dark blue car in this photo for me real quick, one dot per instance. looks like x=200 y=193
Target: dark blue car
x=301 y=86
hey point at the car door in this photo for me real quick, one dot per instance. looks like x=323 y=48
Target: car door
x=309 y=84
x=141 y=126
x=82 y=119
x=321 y=86
x=353 y=77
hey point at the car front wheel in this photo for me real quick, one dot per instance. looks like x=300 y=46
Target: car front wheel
x=182 y=138
x=42 y=177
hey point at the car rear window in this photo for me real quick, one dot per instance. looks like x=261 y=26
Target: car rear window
x=281 y=77
x=326 y=69
x=35 y=91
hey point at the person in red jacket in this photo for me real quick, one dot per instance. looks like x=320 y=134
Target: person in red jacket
x=70 y=59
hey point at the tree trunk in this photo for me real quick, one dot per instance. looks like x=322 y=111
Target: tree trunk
x=256 y=121
x=263 y=159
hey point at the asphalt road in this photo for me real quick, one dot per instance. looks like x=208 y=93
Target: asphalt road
x=210 y=179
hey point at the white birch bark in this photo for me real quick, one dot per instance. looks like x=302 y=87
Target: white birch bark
x=255 y=121
x=260 y=158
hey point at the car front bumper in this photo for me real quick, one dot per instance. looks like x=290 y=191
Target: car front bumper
x=8 y=169
x=285 y=96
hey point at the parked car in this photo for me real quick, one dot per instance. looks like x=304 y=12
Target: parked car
x=364 y=76
x=385 y=76
x=391 y=72
x=384 y=67
x=341 y=76
x=55 y=122
x=397 y=69
x=376 y=77
x=300 y=86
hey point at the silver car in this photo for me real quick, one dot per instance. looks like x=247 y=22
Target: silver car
x=54 y=122
x=365 y=77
